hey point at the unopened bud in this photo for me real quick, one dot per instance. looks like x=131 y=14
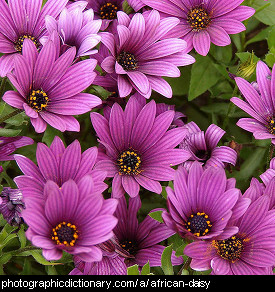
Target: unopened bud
x=247 y=68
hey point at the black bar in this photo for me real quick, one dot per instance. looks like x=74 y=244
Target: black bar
x=203 y=282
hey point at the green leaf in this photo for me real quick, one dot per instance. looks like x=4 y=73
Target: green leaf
x=270 y=58
x=4 y=258
x=27 y=269
x=265 y=12
x=7 y=240
x=145 y=269
x=50 y=134
x=203 y=76
x=157 y=215
x=180 y=85
x=9 y=132
x=237 y=41
x=222 y=54
x=133 y=270
x=251 y=164
x=51 y=270
x=22 y=237
x=271 y=38
x=166 y=263
x=244 y=56
x=262 y=35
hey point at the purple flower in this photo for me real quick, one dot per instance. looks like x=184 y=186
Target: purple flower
x=11 y=205
x=9 y=144
x=269 y=173
x=203 y=146
x=136 y=4
x=257 y=189
x=204 y=22
x=139 y=148
x=20 y=20
x=49 y=87
x=58 y=164
x=107 y=266
x=71 y=218
x=248 y=252
x=179 y=118
x=203 y=203
x=259 y=104
x=106 y=10
x=139 y=242
x=75 y=28
x=140 y=57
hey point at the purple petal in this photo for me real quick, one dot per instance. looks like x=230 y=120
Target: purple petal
x=130 y=185
x=201 y=42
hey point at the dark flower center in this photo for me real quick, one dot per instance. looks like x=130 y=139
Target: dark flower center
x=129 y=162
x=38 y=100
x=129 y=246
x=271 y=125
x=203 y=155
x=198 y=224
x=230 y=249
x=65 y=233
x=198 y=18
x=19 y=43
x=127 y=61
x=108 y=11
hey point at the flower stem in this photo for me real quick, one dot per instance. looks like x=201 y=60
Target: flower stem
x=185 y=266
x=10 y=115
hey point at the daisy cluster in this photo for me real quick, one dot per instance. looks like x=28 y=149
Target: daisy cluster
x=58 y=56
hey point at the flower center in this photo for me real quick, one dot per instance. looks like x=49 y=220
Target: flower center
x=19 y=43
x=203 y=155
x=108 y=11
x=129 y=246
x=129 y=162
x=198 y=18
x=229 y=249
x=271 y=125
x=127 y=61
x=198 y=224
x=65 y=233
x=38 y=100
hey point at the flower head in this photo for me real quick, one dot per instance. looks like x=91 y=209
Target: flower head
x=258 y=103
x=106 y=10
x=139 y=57
x=59 y=164
x=77 y=28
x=49 y=87
x=71 y=218
x=204 y=22
x=9 y=144
x=20 y=20
x=11 y=205
x=248 y=252
x=203 y=146
x=138 y=148
x=203 y=203
x=138 y=242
